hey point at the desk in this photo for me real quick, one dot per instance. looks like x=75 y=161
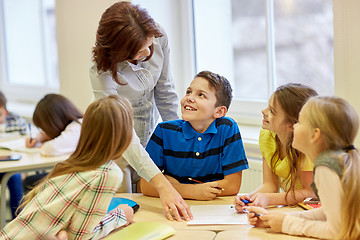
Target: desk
x=28 y=162
x=151 y=210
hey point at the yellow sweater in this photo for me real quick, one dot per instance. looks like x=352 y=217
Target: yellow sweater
x=268 y=146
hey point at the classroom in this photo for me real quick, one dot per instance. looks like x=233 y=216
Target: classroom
x=76 y=26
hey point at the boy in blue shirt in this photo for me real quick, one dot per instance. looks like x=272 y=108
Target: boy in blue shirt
x=201 y=154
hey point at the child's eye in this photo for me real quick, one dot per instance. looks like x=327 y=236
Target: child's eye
x=201 y=95
x=188 y=92
x=272 y=111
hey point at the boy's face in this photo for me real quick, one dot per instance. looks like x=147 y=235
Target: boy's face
x=198 y=104
x=3 y=114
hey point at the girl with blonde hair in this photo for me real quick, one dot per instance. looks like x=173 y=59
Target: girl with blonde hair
x=325 y=132
x=75 y=195
x=283 y=166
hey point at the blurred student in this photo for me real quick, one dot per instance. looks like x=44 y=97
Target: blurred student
x=201 y=154
x=11 y=122
x=75 y=196
x=325 y=132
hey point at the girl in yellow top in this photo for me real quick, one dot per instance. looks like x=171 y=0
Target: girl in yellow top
x=283 y=166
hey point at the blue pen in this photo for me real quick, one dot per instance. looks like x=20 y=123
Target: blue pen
x=245 y=201
x=29 y=124
x=256 y=214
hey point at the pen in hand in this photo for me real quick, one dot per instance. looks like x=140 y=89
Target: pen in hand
x=30 y=136
x=194 y=180
x=247 y=211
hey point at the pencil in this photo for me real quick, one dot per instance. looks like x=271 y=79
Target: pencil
x=29 y=124
x=194 y=180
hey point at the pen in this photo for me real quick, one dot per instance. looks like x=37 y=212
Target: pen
x=29 y=124
x=247 y=211
x=194 y=180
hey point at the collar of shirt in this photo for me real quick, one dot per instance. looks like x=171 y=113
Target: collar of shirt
x=189 y=131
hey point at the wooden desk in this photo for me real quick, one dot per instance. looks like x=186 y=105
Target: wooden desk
x=28 y=162
x=151 y=211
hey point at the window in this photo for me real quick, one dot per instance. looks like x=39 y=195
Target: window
x=29 y=62
x=261 y=44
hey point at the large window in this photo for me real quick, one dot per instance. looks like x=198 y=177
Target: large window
x=28 y=57
x=261 y=44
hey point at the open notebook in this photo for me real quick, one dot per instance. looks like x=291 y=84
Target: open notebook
x=216 y=214
x=17 y=145
x=143 y=231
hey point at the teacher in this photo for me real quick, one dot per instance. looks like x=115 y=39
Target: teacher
x=131 y=59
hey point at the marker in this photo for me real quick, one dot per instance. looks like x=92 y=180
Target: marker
x=194 y=180
x=245 y=201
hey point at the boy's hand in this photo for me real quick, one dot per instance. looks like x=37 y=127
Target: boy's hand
x=206 y=191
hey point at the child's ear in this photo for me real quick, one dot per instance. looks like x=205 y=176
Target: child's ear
x=220 y=111
x=315 y=135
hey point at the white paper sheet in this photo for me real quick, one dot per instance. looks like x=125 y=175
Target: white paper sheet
x=18 y=145
x=215 y=215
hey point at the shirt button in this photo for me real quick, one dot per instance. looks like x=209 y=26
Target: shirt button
x=197 y=154
x=199 y=138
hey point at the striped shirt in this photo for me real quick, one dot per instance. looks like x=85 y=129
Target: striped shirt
x=76 y=202
x=181 y=152
x=14 y=123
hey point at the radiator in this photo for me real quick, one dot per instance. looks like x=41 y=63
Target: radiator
x=252 y=177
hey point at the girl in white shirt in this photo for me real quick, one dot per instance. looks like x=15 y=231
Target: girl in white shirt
x=60 y=124
x=325 y=132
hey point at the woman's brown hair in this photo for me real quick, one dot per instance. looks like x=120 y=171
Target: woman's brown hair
x=291 y=98
x=53 y=113
x=123 y=30
x=106 y=132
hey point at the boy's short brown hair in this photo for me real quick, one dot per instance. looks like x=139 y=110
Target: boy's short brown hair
x=223 y=90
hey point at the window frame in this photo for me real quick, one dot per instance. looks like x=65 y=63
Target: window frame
x=19 y=92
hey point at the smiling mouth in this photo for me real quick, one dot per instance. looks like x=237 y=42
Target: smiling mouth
x=188 y=108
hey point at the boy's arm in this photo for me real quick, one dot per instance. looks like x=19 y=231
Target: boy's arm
x=148 y=189
x=231 y=184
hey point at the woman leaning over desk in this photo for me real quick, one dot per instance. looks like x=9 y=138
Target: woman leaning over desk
x=131 y=59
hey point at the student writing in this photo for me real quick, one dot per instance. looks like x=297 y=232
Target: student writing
x=283 y=166
x=204 y=146
x=76 y=194
x=325 y=132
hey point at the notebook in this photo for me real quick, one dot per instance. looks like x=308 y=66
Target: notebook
x=17 y=145
x=216 y=215
x=143 y=231
x=119 y=200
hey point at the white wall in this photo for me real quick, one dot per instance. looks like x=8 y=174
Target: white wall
x=347 y=52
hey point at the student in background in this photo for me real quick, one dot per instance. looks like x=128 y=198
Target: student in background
x=10 y=122
x=283 y=166
x=204 y=146
x=131 y=59
x=60 y=124
x=325 y=132
x=75 y=196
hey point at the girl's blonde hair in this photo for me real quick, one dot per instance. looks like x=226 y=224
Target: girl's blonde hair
x=106 y=132
x=291 y=98
x=338 y=123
